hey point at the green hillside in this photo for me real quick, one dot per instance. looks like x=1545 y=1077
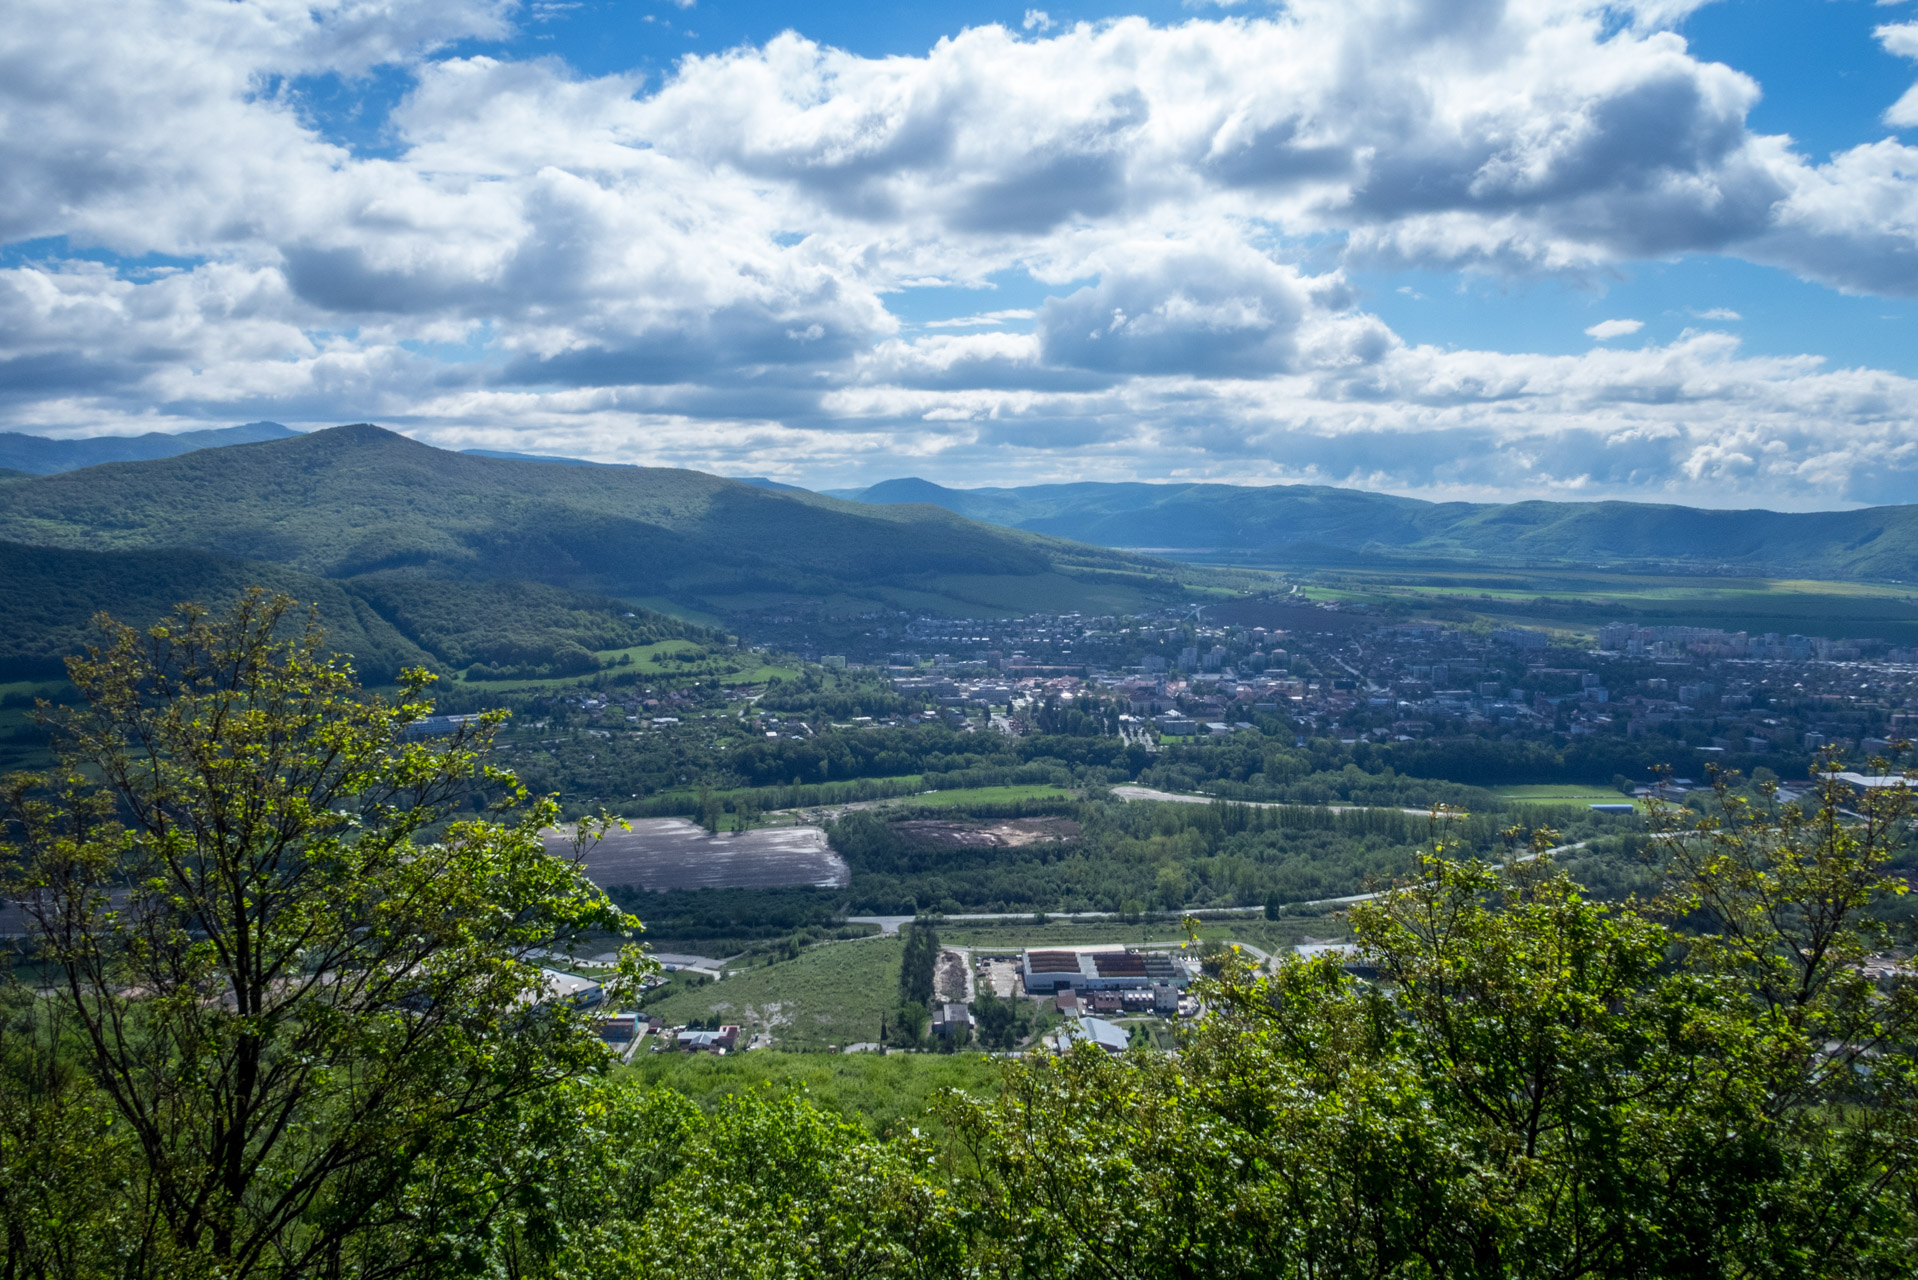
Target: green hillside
x=49 y=596
x=358 y=501
x=1316 y=524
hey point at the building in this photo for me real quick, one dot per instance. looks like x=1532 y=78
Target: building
x=1104 y=969
x=1108 y=1036
x=433 y=726
x=620 y=1029
x=1863 y=783
x=720 y=1041
x=581 y=993
x=1524 y=638
x=952 y=1021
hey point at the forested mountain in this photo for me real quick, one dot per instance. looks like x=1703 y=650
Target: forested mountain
x=1321 y=524
x=49 y=596
x=37 y=455
x=359 y=503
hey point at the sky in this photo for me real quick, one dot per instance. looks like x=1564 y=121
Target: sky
x=1658 y=249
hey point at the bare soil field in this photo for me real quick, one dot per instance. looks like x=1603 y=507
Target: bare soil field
x=672 y=853
x=952 y=833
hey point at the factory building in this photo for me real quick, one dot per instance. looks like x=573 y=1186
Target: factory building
x=1101 y=969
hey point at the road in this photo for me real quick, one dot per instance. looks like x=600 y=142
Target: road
x=890 y=924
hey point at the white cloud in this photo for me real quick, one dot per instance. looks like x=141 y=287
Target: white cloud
x=632 y=266
x=984 y=318
x=1605 y=330
x=1037 y=20
x=1714 y=313
x=1902 y=41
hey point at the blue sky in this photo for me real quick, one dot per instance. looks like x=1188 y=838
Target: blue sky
x=1454 y=248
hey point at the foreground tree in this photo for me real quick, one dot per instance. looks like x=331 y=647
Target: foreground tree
x=287 y=946
x=1529 y=1083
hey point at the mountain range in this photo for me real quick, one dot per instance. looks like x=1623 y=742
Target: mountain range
x=1284 y=525
x=382 y=518
x=39 y=456
x=1259 y=525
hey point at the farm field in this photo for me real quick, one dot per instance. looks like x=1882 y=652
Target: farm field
x=827 y=997
x=887 y=1094
x=662 y=660
x=1579 y=603
x=1563 y=793
x=727 y=795
x=986 y=795
x=671 y=853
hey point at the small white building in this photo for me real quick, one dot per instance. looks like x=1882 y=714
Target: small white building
x=582 y=993
x=1109 y=1036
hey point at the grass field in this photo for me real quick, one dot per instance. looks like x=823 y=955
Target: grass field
x=887 y=1094
x=829 y=996
x=1579 y=602
x=1563 y=793
x=986 y=795
x=674 y=609
x=656 y=661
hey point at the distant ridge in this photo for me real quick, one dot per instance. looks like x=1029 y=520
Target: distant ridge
x=1320 y=524
x=758 y=482
x=537 y=457
x=358 y=501
x=40 y=456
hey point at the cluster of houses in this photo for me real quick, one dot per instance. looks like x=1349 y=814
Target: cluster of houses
x=623 y=1031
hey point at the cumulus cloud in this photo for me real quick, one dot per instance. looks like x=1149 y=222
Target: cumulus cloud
x=1902 y=40
x=1605 y=330
x=622 y=265
x=983 y=318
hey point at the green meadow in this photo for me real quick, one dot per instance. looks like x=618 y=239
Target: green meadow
x=1579 y=603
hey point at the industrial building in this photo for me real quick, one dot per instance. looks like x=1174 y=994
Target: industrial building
x=1101 y=969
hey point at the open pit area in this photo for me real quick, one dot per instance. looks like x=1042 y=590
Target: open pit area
x=671 y=853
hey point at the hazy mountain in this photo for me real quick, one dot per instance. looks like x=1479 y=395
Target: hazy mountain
x=760 y=482
x=1280 y=524
x=37 y=455
x=356 y=501
x=532 y=457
